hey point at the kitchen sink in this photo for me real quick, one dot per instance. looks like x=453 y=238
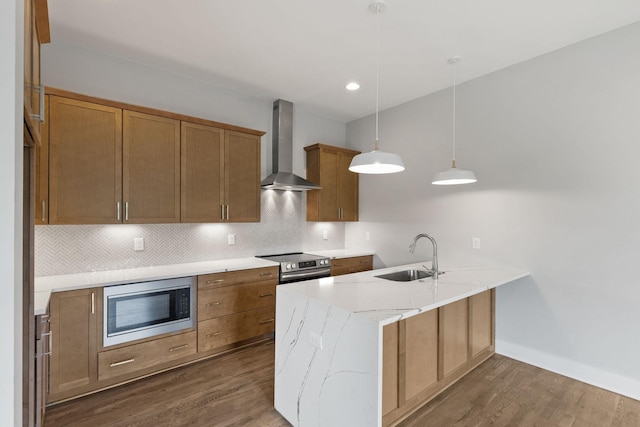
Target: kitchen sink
x=407 y=275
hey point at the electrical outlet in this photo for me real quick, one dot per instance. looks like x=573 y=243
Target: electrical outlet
x=367 y=236
x=315 y=340
x=475 y=243
x=231 y=239
x=325 y=234
x=138 y=244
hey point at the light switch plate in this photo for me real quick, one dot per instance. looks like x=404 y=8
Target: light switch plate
x=475 y=243
x=325 y=235
x=231 y=239
x=138 y=244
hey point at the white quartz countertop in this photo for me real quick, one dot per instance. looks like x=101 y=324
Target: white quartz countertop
x=386 y=301
x=44 y=285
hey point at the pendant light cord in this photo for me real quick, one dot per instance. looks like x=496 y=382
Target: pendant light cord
x=377 y=68
x=454 y=114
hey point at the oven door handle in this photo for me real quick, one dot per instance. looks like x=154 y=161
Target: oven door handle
x=315 y=274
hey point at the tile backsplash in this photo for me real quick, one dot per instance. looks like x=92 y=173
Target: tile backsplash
x=67 y=249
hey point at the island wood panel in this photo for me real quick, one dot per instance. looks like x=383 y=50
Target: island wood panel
x=419 y=353
x=454 y=336
x=85 y=162
x=242 y=177
x=226 y=300
x=73 y=360
x=151 y=168
x=225 y=330
x=481 y=322
x=202 y=172
x=42 y=170
x=389 y=368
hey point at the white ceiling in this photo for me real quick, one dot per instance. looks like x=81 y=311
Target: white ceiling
x=306 y=51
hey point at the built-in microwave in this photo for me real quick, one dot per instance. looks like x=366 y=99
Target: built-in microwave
x=141 y=310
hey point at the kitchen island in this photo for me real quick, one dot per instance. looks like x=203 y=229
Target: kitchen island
x=357 y=350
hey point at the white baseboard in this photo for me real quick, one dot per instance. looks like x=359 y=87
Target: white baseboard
x=587 y=374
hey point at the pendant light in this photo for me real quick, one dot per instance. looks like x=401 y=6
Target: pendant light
x=454 y=176
x=376 y=161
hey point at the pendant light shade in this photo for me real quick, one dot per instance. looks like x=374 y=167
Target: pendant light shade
x=453 y=175
x=376 y=161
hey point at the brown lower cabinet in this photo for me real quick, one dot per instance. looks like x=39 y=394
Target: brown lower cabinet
x=234 y=308
x=340 y=266
x=426 y=353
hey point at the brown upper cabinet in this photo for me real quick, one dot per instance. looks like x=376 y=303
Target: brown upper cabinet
x=42 y=171
x=111 y=163
x=150 y=168
x=338 y=198
x=85 y=164
x=220 y=175
x=36 y=33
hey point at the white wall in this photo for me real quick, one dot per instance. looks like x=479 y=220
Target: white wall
x=64 y=249
x=11 y=30
x=555 y=144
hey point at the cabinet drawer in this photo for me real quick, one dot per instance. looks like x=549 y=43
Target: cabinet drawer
x=226 y=330
x=125 y=360
x=351 y=265
x=221 y=301
x=237 y=277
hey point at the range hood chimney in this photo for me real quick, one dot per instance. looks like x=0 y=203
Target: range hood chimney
x=282 y=177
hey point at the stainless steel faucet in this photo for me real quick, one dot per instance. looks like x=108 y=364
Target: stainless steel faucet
x=434 y=261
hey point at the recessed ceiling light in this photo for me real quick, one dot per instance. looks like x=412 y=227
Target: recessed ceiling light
x=352 y=86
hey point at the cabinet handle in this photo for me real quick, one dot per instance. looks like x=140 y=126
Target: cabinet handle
x=49 y=334
x=44 y=318
x=264 y=322
x=211 y=304
x=44 y=208
x=40 y=90
x=266 y=295
x=118 y=211
x=215 y=334
x=227 y=212
x=126 y=211
x=222 y=212
x=364 y=261
x=123 y=362
x=266 y=274
x=210 y=282
x=93 y=303
x=180 y=347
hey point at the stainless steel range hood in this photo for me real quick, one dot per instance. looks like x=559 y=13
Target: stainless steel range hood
x=282 y=177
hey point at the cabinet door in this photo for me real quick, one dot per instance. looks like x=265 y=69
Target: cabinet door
x=419 y=364
x=85 y=162
x=73 y=360
x=454 y=336
x=150 y=168
x=42 y=171
x=481 y=315
x=347 y=188
x=242 y=177
x=202 y=155
x=328 y=209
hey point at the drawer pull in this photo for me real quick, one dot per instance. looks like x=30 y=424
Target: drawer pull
x=123 y=362
x=264 y=322
x=266 y=274
x=215 y=334
x=180 y=347
x=211 y=304
x=364 y=261
x=210 y=282
x=268 y=294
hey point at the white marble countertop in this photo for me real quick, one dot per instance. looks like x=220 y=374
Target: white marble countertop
x=44 y=285
x=386 y=301
x=341 y=253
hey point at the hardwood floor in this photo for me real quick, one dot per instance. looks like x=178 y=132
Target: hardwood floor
x=236 y=389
